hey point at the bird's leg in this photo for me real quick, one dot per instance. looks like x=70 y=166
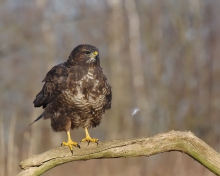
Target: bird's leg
x=88 y=138
x=70 y=142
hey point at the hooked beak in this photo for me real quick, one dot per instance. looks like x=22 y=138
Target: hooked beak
x=93 y=57
x=95 y=54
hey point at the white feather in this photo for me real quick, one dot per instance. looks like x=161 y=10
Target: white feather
x=134 y=111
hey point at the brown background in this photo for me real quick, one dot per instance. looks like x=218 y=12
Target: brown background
x=159 y=56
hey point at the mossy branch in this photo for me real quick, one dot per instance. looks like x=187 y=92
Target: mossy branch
x=184 y=142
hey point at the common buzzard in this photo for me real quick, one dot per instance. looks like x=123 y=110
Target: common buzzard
x=75 y=94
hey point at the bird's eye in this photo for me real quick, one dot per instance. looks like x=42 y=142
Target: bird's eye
x=87 y=52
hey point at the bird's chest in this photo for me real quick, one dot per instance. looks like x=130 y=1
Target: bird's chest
x=86 y=91
x=88 y=82
x=91 y=75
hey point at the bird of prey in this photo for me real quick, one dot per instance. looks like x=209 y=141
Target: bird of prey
x=75 y=94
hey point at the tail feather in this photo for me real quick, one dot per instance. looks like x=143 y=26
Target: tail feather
x=39 y=100
x=37 y=119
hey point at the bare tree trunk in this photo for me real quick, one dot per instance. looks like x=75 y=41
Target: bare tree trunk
x=116 y=44
x=2 y=148
x=11 y=157
x=139 y=91
x=48 y=34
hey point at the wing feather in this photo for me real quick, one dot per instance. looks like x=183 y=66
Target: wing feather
x=55 y=83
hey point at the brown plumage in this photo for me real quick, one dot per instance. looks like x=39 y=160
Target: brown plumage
x=76 y=93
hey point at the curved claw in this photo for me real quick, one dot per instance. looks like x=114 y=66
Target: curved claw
x=70 y=145
x=97 y=142
x=89 y=139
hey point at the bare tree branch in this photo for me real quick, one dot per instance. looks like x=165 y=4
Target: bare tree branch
x=184 y=142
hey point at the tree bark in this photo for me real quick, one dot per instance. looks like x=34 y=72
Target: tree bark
x=184 y=142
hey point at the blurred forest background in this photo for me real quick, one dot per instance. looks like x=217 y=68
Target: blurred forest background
x=161 y=57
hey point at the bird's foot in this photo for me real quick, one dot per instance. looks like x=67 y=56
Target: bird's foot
x=70 y=144
x=89 y=139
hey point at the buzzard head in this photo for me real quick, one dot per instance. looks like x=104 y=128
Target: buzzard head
x=84 y=55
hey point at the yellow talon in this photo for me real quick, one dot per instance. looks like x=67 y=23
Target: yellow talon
x=70 y=143
x=88 y=138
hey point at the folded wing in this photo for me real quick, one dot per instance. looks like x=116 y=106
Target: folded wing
x=55 y=83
